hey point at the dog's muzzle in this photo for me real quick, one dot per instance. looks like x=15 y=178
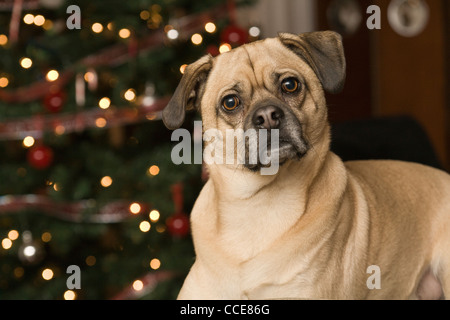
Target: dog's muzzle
x=280 y=125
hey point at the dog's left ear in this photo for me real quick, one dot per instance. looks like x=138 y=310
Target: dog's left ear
x=188 y=94
x=324 y=53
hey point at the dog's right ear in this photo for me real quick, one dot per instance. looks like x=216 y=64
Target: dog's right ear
x=189 y=92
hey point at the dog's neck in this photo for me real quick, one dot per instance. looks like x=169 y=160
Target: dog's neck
x=248 y=205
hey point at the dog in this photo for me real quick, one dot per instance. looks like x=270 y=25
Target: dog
x=319 y=228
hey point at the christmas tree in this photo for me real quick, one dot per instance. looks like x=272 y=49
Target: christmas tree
x=91 y=205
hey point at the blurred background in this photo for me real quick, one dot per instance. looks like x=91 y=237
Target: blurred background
x=85 y=172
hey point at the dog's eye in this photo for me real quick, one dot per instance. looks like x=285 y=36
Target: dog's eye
x=231 y=102
x=290 y=85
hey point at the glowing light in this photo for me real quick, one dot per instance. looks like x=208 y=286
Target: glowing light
x=138 y=285
x=13 y=235
x=183 y=68
x=130 y=95
x=28 y=18
x=104 y=103
x=90 y=261
x=39 y=20
x=106 y=182
x=135 y=208
x=48 y=24
x=210 y=27
x=26 y=63
x=100 y=122
x=6 y=243
x=226 y=47
x=153 y=170
x=28 y=142
x=69 y=295
x=124 y=33
x=52 y=75
x=4 y=82
x=145 y=226
x=3 y=39
x=254 y=32
x=47 y=274
x=197 y=39
x=46 y=237
x=173 y=34
x=29 y=251
x=154 y=215
x=60 y=129
x=145 y=15
x=155 y=264
x=110 y=26
x=56 y=187
x=97 y=27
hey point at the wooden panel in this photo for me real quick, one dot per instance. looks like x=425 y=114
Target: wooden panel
x=410 y=75
x=355 y=102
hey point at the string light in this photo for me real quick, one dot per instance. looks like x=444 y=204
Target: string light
x=130 y=95
x=183 y=68
x=28 y=18
x=155 y=264
x=28 y=142
x=91 y=260
x=69 y=295
x=52 y=75
x=6 y=243
x=145 y=15
x=106 y=182
x=210 y=27
x=173 y=34
x=154 y=215
x=46 y=237
x=3 y=39
x=4 y=82
x=97 y=27
x=26 y=63
x=135 y=208
x=47 y=274
x=153 y=170
x=39 y=20
x=226 y=47
x=138 y=285
x=145 y=226
x=124 y=33
x=13 y=235
x=254 y=32
x=197 y=39
x=100 y=122
x=104 y=103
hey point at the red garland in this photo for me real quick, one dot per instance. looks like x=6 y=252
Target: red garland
x=74 y=122
x=113 y=212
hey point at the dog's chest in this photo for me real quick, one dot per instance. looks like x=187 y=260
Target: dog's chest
x=248 y=229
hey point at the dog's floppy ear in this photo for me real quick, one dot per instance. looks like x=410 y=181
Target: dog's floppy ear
x=188 y=94
x=324 y=53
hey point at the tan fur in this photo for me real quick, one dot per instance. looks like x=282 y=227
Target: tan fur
x=312 y=230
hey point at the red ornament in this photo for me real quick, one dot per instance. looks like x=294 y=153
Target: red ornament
x=40 y=157
x=213 y=50
x=54 y=101
x=234 y=35
x=178 y=224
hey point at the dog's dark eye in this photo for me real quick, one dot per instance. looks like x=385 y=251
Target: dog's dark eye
x=230 y=103
x=290 y=85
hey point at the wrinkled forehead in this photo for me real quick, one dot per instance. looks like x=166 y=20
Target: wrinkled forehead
x=258 y=62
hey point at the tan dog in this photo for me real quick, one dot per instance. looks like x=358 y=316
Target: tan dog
x=315 y=229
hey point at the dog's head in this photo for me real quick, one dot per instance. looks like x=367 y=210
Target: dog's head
x=274 y=85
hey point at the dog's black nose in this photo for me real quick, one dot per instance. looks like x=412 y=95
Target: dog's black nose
x=268 y=117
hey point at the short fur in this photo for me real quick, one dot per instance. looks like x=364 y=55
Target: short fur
x=312 y=230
